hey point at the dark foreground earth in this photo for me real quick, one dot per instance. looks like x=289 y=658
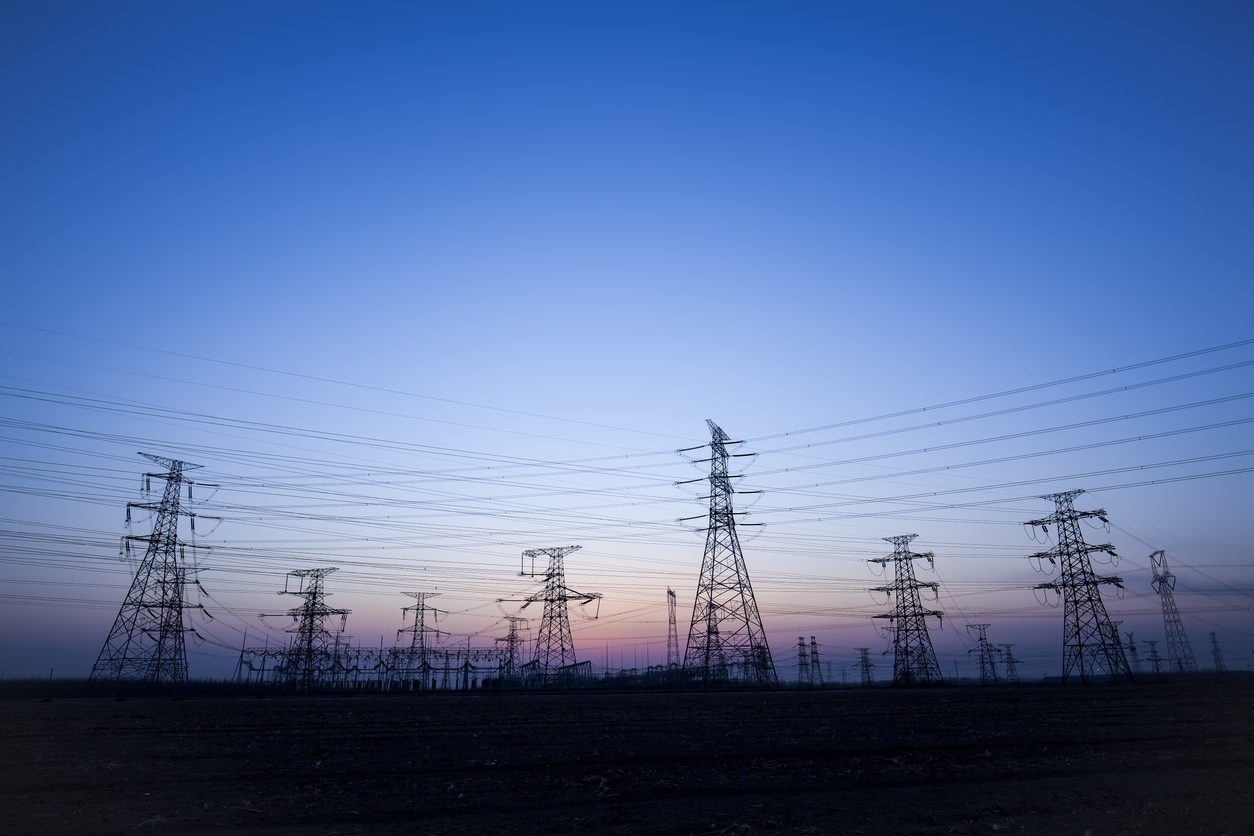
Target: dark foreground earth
x=1151 y=759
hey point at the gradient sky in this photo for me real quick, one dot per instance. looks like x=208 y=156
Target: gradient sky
x=509 y=236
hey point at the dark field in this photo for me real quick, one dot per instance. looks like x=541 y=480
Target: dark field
x=1153 y=758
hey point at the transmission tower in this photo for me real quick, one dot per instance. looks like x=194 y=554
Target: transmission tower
x=1012 y=665
x=914 y=661
x=866 y=665
x=988 y=664
x=1090 y=640
x=803 y=663
x=672 y=631
x=312 y=658
x=510 y=666
x=1217 y=654
x=555 y=649
x=726 y=642
x=1136 y=660
x=1179 y=652
x=816 y=669
x=1156 y=661
x=418 y=655
x=146 y=642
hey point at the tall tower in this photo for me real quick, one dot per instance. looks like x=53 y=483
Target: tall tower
x=1179 y=653
x=1136 y=660
x=1217 y=654
x=816 y=669
x=914 y=661
x=1089 y=638
x=146 y=642
x=865 y=665
x=672 y=631
x=1012 y=665
x=418 y=654
x=311 y=659
x=1156 y=661
x=803 y=663
x=513 y=649
x=555 y=648
x=988 y=665
x=726 y=642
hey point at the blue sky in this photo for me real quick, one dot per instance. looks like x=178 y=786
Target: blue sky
x=621 y=220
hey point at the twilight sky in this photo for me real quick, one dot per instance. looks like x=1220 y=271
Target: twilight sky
x=423 y=285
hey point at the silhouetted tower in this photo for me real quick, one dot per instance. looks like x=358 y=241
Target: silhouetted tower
x=418 y=655
x=726 y=641
x=914 y=661
x=555 y=648
x=803 y=662
x=310 y=661
x=816 y=669
x=1090 y=640
x=146 y=641
x=1012 y=664
x=510 y=665
x=1156 y=661
x=866 y=665
x=1136 y=660
x=672 y=631
x=1217 y=654
x=988 y=662
x=1179 y=652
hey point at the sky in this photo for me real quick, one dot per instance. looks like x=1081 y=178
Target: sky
x=424 y=285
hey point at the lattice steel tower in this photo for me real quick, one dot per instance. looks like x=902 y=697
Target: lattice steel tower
x=914 y=661
x=510 y=669
x=555 y=648
x=1090 y=640
x=1136 y=660
x=1217 y=654
x=816 y=668
x=672 y=631
x=865 y=665
x=726 y=642
x=988 y=663
x=146 y=642
x=1179 y=652
x=310 y=662
x=803 y=662
x=1156 y=661
x=418 y=654
x=1012 y=664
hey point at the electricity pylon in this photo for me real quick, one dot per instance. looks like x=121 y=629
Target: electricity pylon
x=988 y=665
x=1089 y=638
x=866 y=665
x=672 y=631
x=147 y=640
x=1012 y=664
x=914 y=661
x=1179 y=652
x=311 y=660
x=1156 y=661
x=1217 y=654
x=513 y=649
x=803 y=663
x=726 y=642
x=555 y=648
x=816 y=669
x=418 y=655
x=1136 y=660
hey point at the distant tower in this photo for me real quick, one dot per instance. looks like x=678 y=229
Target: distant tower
x=1012 y=665
x=803 y=663
x=1089 y=638
x=865 y=665
x=513 y=649
x=672 y=631
x=816 y=669
x=555 y=648
x=1136 y=660
x=310 y=661
x=1179 y=653
x=1156 y=661
x=914 y=661
x=988 y=664
x=418 y=655
x=726 y=642
x=1217 y=654
x=146 y=642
